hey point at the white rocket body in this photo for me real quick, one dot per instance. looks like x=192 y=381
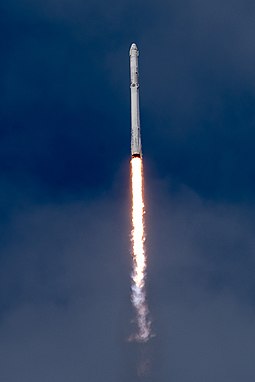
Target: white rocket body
x=136 y=146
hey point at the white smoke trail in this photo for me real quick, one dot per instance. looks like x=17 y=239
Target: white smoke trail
x=138 y=296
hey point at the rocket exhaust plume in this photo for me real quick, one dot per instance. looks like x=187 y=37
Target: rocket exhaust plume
x=138 y=296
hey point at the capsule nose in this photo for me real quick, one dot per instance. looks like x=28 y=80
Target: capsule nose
x=133 y=49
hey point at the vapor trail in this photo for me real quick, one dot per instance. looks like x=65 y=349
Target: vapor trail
x=138 y=295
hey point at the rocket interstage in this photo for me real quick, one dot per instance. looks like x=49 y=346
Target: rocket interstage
x=138 y=288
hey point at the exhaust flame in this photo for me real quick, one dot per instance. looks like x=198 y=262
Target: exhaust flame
x=138 y=295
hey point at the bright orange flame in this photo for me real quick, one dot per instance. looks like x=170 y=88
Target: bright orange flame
x=139 y=258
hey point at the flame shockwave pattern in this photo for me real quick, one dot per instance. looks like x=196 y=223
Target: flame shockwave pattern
x=138 y=295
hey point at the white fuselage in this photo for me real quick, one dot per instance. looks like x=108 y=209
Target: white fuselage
x=136 y=147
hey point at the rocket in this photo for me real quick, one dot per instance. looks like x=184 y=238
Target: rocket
x=136 y=147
